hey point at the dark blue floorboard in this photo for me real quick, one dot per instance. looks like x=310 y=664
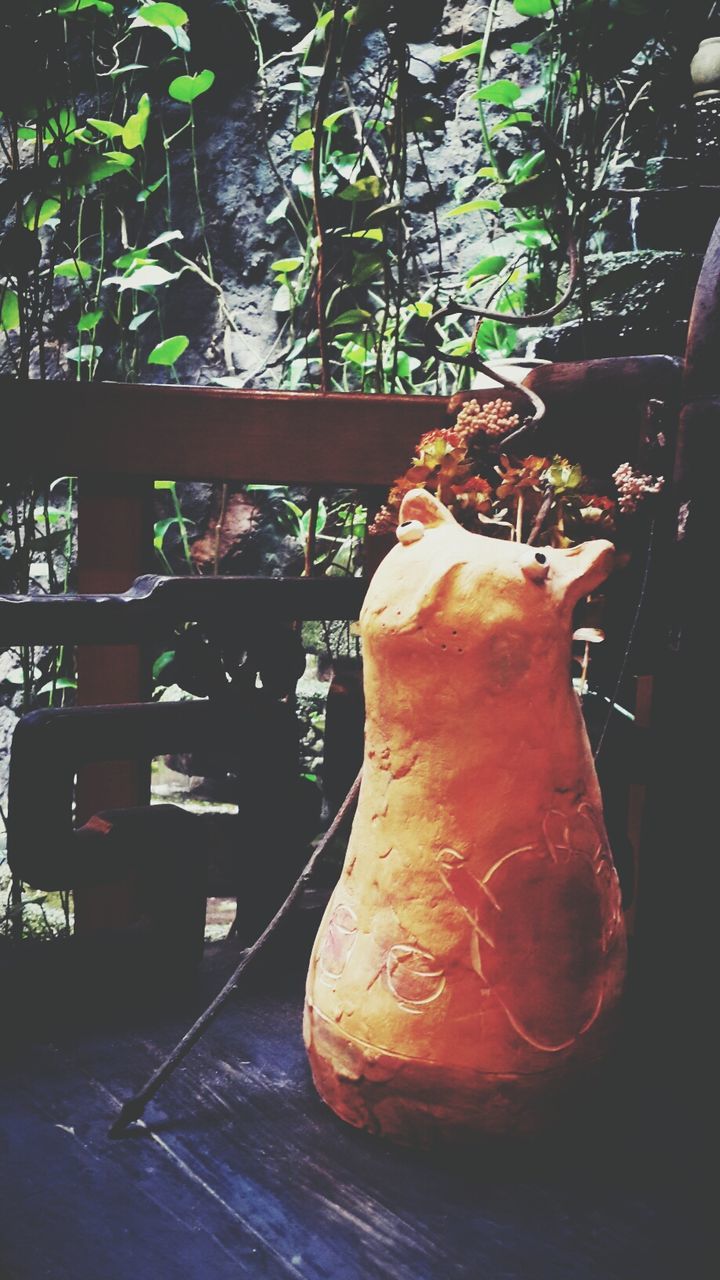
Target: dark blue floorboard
x=243 y=1172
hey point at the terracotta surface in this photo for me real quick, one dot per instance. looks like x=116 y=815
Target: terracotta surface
x=473 y=951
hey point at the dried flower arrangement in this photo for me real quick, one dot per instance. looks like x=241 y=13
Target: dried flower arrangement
x=544 y=500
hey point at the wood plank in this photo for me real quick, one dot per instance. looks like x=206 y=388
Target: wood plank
x=196 y=433
x=243 y=1154
x=207 y=433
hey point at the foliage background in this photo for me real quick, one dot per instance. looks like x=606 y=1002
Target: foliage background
x=255 y=193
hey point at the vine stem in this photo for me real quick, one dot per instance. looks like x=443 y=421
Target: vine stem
x=319 y=114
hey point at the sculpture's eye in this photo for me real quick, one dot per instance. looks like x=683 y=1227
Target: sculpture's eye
x=537 y=567
x=410 y=531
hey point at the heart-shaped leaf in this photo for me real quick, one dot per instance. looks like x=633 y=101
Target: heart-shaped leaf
x=188 y=88
x=74 y=269
x=533 y=8
x=135 y=128
x=503 y=92
x=108 y=127
x=38 y=211
x=471 y=206
x=162 y=15
x=75 y=6
x=85 y=351
x=139 y=320
x=89 y=321
x=287 y=264
x=489 y=266
x=303 y=141
x=169 y=351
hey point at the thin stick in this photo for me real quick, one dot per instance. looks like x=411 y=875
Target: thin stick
x=134 y=1107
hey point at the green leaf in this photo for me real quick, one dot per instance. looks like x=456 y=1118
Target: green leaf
x=162 y=15
x=75 y=6
x=511 y=121
x=107 y=165
x=471 y=206
x=85 y=351
x=465 y=51
x=129 y=66
x=486 y=267
x=144 y=195
x=108 y=127
x=278 y=212
x=302 y=179
x=89 y=321
x=383 y=210
x=330 y=121
x=135 y=324
x=503 y=92
x=59 y=127
x=522 y=47
x=163 y=238
x=528 y=224
x=62 y=682
x=303 y=141
x=160 y=530
x=346 y=164
x=369 y=188
x=287 y=264
x=169 y=351
x=283 y=300
x=74 y=269
x=188 y=88
x=133 y=258
x=533 y=8
x=38 y=211
x=161 y=663
x=9 y=309
x=147 y=276
x=369 y=233
x=135 y=127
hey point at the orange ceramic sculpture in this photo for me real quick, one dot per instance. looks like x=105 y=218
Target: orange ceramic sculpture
x=473 y=951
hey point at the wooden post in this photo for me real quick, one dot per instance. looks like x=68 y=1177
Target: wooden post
x=114 y=546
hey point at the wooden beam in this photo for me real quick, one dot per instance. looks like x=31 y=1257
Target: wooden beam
x=114 y=545
x=208 y=433
x=204 y=433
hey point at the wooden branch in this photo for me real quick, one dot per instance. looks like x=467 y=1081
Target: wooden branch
x=133 y=1109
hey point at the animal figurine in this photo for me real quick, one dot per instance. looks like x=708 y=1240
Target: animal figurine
x=473 y=952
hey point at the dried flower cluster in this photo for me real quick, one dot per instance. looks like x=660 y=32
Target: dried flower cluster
x=552 y=498
x=495 y=418
x=633 y=486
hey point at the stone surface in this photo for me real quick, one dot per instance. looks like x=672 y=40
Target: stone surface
x=8 y=720
x=476 y=931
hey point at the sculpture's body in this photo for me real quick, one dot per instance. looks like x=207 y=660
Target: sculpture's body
x=473 y=949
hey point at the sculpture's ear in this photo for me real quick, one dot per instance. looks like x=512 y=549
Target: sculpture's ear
x=424 y=507
x=581 y=569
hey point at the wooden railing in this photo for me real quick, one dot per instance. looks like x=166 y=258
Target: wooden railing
x=117 y=439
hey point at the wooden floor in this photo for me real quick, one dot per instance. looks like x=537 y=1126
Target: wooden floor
x=243 y=1172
